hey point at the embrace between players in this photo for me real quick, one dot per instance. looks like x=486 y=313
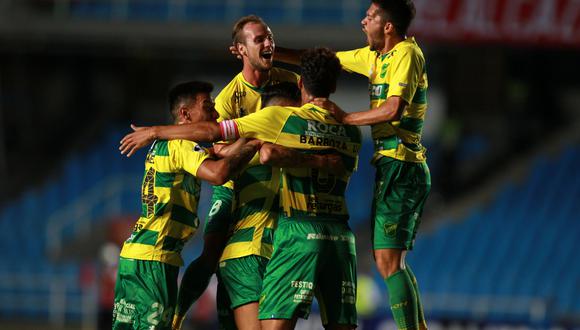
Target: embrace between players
x=283 y=169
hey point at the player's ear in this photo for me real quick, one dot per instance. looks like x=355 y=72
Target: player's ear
x=242 y=49
x=183 y=113
x=389 y=28
x=300 y=83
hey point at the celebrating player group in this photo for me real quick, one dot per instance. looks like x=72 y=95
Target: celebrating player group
x=277 y=233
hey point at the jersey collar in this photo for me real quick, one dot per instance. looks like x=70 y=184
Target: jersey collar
x=408 y=40
x=252 y=87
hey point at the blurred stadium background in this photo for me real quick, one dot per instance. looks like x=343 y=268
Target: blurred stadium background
x=500 y=240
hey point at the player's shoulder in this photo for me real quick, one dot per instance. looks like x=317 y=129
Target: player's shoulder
x=283 y=74
x=183 y=146
x=234 y=85
x=277 y=110
x=410 y=47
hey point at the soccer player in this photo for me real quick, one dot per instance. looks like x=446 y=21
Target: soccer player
x=244 y=283
x=255 y=43
x=395 y=66
x=314 y=249
x=146 y=287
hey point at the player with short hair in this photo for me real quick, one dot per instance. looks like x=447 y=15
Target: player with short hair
x=314 y=250
x=395 y=66
x=146 y=287
x=250 y=203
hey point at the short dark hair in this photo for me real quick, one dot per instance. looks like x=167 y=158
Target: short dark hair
x=399 y=12
x=319 y=69
x=184 y=92
x=284 y=90
x=239 y=26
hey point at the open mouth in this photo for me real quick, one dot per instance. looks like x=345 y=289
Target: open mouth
x=267 y=55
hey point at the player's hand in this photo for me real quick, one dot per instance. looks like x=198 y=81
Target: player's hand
x=234 y=50
x=334 y=164
x=256 y=143
x=142 y=136
x=327 y=104
x=219 y=149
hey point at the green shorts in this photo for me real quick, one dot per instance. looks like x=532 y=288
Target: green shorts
x=242 y=278
x=219 y=216
x=401 y=189
x=311 y=259
x=145 y=295
x=225 y=314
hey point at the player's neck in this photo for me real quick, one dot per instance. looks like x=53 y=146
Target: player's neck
x=255 y=77
x=391 y=42
x=306 y=97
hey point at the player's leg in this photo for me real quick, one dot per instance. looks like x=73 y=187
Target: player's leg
x=279 y=324
x=242 y=278
x=420 y=314
x=198 y=273
x=291 y=274
x=247 y=316
x=144 y=295
x=401 y=189
x=226 y=320
x=337 y=282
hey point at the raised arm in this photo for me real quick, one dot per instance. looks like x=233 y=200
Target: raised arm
x=279 y=156
x=281 y=54
x=218 y=172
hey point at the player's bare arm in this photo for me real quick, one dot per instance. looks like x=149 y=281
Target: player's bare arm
x=206 y=131
x=390 y=110
x=284 y=55
x=280 y=156
x=218 y=172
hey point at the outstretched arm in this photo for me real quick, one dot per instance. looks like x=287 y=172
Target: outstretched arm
x=218 y=172
x=279 y=156
x=281 y=54
x=207 y=131
x=288 y=55
x=391 y=110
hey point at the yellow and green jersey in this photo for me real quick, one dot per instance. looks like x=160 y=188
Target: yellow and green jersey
x=306 y=194
x=169 y=199
x=256 y=189
x=240 y=98
x=400 y=72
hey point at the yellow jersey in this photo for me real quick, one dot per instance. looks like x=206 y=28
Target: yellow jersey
x=306 y=193
x=400 y=72
x=256 y=189
x=169 y=200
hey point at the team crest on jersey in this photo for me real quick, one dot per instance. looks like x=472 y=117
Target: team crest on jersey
x=384 y=70
x=238 y=96
x=390 y=229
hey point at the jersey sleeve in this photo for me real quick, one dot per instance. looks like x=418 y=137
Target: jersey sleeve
x=187 y=155
x=357 y=60
x=265 y=125
x=406 y=71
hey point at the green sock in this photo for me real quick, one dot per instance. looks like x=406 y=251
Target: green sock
x=421 y=316
x=194 y=282
x=403 y=300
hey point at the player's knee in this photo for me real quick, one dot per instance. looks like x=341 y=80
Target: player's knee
x=389 y=261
